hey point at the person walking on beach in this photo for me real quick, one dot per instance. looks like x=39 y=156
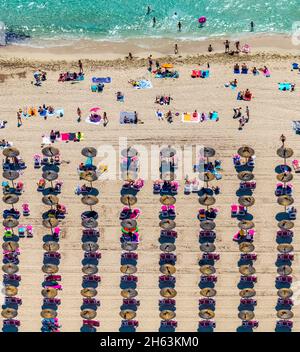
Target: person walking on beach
x=226 y=44
x=154 y=21
x=210 y=48
x=247 y=113
x=150 y=63
x=78 y=114
x=105 y=119
x=80 y=67
x=176 y=50
x=179 y=26
x=237 y=46
x=252 y=26
x=19 y=119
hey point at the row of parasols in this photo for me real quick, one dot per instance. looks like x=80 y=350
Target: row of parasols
x=10 y=246
x=207 y=237
x=285 y=248
x=51 y=284
x=245 y=238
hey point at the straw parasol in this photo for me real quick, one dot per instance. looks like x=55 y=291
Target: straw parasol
x=89 y=200
x=10 y=175
x=10 y=246
x=10 y=268
x=286 y=225
x=247 y=270
x=285 y=200
x=246 y=201
x=10 y=223
x=129 y=152
x=167 y=200
x=246 y=152
x=9 y=313
x=284 y=270
x=89 y=269
x=11 y=152
x=50 y=222
x=48 y=314
x=207 y=225
x=128 y=269
x=50 y=269
x=167 y=315
x=285 y=248
x=206 y=314
x=50 y=200
x=89 y=152
x=207 y=152
x=167 y=224
x=167 y=269
x=206 y=176
x=50 y=175
x=49 y=292
x=285 y=177
x=88 y=314
x=246 y=315
x=128 y=199
x=10 y=199
x=89 y=292
x=245 y=176
x=247 y=293
x=208 y=292
x=285 y=293
x=90 y=246
x=285 y=153
x=207 y=247
x=246 y=224
x=51 y=246
x=285 y=314
x=129 y=293
x=168 y=292
x=50 y=151
x=89 y=223
x=129 y=246
x=246 y=247
x=168 y=247
x=10 y=291
x=129 y=224
x=128 y=314
x=89 y=176
x=207 y=200
x=207 y=269
x=168 y=152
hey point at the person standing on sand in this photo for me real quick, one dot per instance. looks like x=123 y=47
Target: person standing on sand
x=105 y=119
x=210 y=48
x=237 y=46
x=247 y=113
x=80 y=66
x=150 y=63
x=19 y=119
x=176 y=51
x=78 y=114
x=226 y=44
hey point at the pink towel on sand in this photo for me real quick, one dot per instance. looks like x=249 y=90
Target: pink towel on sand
x=64 y=136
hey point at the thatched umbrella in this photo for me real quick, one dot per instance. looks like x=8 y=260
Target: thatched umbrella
x=89 y=176
x=246 y=152
x=246 y=224
x=50 y=200
x=168 y=292
x=49 y=292
x=246 y=201
x=50 y=175
x=10 y=223
x=167 y=224
x=11 y=175
x=50 y=268
x=50 y=151
x=285 y=200
x=167 y=315
x=245 y=176
x=10 y=291
x=247 y=293
x=128 y=200
x=246 y=247
x=246 y=315
x=88 y=314
x=285 y=153
x=285 y=314
x=206 y=177
x=207 y=152
x=90 y=201
x=285 y=224
x=48 y=314
x=10 y=199
x=206 y=314
x=128 y=269
x=285 y=293
x=207 y=225
x=284 y=270
x=247 y=270
x=89 y=269
x=207 y=247
x=130 y=224
x=168 y=247
x=88 y=292
x=285 y=248
x=285 y=177
x=128 y=314
x=51 y=246
x=11 y=152
x=129 y=246
x=167 y=200
x=207 y=269
x=168 y=269
x=129 y=293
x=207 y=200
x=90 y=246
x=10 y=246
x=10 y=268
x=9 y=313
x=208 y=292
x=89 y=152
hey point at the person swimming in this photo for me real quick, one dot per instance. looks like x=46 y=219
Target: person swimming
x=179 y=26
x=154 y=21
x=149 y=10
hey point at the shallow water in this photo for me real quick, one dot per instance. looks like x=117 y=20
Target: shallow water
x=119 y=19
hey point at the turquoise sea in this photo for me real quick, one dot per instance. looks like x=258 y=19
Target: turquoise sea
x=120 y=19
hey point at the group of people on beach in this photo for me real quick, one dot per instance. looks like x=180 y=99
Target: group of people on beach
x=243 y=119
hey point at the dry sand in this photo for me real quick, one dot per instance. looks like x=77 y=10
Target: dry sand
x=271 y=115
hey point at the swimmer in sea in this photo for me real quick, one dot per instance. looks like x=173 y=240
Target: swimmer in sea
x=252 y=26
x=154 y=21
x=179 y=26
x=148 y=10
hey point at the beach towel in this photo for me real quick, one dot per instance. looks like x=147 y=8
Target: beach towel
x=127 y=117
x=214 y=116
x=295 y=66
x=64 y=137
x=187 y=117
x=143 y=84
x=46 y=140
x=204 y=73
x=244 y=71
x=87 y=120
x=284 y=86
x=72 y=136
x=101 y=79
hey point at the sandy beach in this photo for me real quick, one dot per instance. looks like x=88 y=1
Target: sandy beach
x=271 y=114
